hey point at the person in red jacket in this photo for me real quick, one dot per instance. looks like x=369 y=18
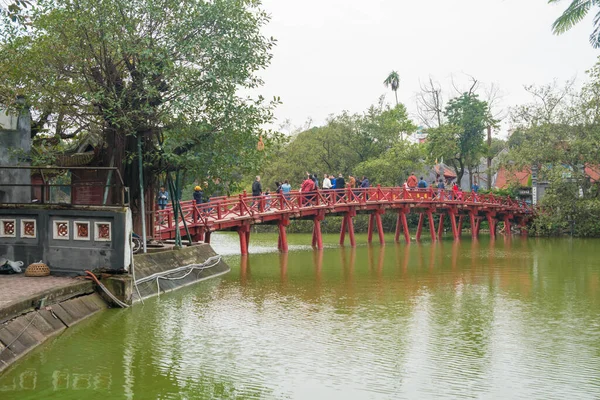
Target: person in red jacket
x=307 y=187
x=412 y=181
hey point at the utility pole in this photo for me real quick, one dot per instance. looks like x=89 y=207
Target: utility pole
x=489 y=158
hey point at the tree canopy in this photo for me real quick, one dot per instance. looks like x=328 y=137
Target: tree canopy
x=460 y=141
x=166 y=72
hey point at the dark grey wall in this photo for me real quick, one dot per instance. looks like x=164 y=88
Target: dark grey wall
x=67 y=255
x=12 y=141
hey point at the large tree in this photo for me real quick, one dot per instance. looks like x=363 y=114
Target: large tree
x=165 y=72
x=559 y=132
x=460 y=141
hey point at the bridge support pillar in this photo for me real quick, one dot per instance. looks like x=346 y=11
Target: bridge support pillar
x=244 y=234
x=402 y=224
x=348 y=224
x=460 y=225
x=207 y=237
x=440 y=232
x=317 y=238
x=507 y=225
x=477 y=226
x=474 y=225
x=282 y=243
x=375 y=219
x=420 y=226
x=431 y=225
x=492 y=223
x=455 y=231
x=523 y=226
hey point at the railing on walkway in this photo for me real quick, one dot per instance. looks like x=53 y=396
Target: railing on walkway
x=107 y=190
x=242 y=207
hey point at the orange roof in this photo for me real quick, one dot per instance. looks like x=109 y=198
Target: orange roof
x=593 y=171
x=505 y=178
x=448 y=173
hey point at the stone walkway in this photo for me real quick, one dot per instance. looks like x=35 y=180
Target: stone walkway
x=19 y=293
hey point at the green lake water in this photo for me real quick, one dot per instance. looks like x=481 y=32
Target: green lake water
x=510 y=319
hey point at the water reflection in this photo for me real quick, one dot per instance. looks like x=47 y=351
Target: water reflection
x=516 y=319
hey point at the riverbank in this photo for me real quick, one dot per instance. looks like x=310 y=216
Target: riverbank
x=33 y=310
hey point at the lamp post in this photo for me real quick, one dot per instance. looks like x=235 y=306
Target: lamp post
x=534 y=181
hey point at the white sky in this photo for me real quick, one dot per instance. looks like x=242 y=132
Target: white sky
x=333 y=55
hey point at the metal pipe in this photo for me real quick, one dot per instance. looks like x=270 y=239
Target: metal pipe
x=142 y=200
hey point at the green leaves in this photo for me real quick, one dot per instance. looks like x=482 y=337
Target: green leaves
x=575 y=13
x=160 y=69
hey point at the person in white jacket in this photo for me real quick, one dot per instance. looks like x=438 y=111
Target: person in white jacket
x=326 y=182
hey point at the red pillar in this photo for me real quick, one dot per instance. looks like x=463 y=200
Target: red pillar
x=243 y=242
x=455 y=232
x=523 y=225
x=207 y=237
x=350 y=225
x=283 y=243
x=473 y=224
x=379 y=228
x=460 y=225
x=431 y=225
x=492 y=223
x=370 y=228
x=420 y=226
x=398 y=227
x=317 y=240
x=507 y=225
x=405 y=228
x=343 y=229
x=441 y=226
x=477 y=226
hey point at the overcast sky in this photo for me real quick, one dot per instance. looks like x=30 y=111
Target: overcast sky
x=333 y=55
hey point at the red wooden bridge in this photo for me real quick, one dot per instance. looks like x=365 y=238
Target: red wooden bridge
x=241 y=212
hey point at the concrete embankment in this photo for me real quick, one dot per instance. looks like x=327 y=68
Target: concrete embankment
x=32 y=310
x=170 y=270
x=22 y=334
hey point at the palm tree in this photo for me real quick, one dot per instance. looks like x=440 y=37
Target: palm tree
x=393 y=81
x=577 y=11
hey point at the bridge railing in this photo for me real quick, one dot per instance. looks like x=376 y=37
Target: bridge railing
x=243 y=206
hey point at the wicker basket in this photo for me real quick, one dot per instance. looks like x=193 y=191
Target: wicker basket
x=37 y=269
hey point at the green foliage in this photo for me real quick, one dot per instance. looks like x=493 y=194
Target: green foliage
x=560 y=133
x=167 y=71
x=460 y=142
x=575 y=13
x=347 y=144
x=393 y=81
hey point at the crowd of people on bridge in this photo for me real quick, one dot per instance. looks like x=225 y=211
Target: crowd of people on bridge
x=311 y=184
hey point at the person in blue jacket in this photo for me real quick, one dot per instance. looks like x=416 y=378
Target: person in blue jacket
x=422 y=184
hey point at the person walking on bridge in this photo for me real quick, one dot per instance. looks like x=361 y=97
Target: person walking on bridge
x=326 y=182
x=307 y=187
x=285 y=189
x=256 y=187
x=412 y=181
x=422 y=184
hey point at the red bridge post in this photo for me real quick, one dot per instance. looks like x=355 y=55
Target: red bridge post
x=348 y=224
x=282 y=243
x=380 y=226
x=455 y=231
x=441 y=227
x=402 y=224
x=317 y=238
x=370 y=228
x=244 y=234
x=431 y=224
x=460 y=225
x=492 y=223
x=420 y=226
x=507 y=224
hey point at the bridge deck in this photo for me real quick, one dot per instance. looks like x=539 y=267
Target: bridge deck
x=239 y=212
